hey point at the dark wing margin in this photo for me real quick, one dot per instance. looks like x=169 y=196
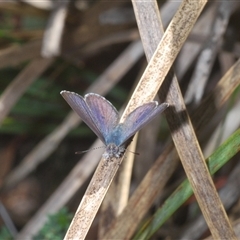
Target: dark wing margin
x=78 y=104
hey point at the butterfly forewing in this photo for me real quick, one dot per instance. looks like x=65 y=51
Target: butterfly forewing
x=139 y=117
x=104 y=113
x=78 y=104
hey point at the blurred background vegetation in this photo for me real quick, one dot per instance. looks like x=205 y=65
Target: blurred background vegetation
x=92 y=36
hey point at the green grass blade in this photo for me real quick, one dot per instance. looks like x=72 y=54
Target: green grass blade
x=222 y=155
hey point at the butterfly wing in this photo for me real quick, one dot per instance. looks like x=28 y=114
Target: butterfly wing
x=138 y=118
x=104 y=113
x=78 y=104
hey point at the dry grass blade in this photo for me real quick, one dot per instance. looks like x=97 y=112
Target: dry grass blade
x=7 y=220
x=53 y=33
x=75 y=179
x=164 y=56
x=124 y=179
x=114 y=202
x=196 y=169
x=230 y=124
x=13 y=56
x=206 y=59
x=191 y=49
x=123 y=36
x=236 y=226
x=47 y=5
x=229 y=194
x=159 y=173
x=144 y=196
x=220 y=156
x=91 y=200
x=213 y=102
x=226 y=61
x=20 y=84
x=125 y=232
x=190 y=152
x=20 y=8
x=146 y=90
x=118 y=193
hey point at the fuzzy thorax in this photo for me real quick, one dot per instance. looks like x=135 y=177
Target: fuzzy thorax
x=113 y=151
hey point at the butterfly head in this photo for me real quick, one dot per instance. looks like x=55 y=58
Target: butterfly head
x=113 y=151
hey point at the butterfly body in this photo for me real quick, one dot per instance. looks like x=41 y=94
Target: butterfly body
x=115 y=136
x=113 y=151
x=103 y=118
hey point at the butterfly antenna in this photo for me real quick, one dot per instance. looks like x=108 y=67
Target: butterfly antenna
x=80 y=152
x=135 y=153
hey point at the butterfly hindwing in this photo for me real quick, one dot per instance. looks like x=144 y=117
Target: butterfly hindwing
x=78 y=104
x=104 y=113
x=138 y=118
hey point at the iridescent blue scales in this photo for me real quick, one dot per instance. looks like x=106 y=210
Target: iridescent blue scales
x=103 y=118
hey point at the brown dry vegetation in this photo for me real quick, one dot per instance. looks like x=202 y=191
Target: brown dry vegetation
x=108 y=47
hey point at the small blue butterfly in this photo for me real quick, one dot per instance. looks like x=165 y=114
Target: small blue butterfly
x=103 y=118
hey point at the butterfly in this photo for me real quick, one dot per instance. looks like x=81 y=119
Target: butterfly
x=103 y=119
